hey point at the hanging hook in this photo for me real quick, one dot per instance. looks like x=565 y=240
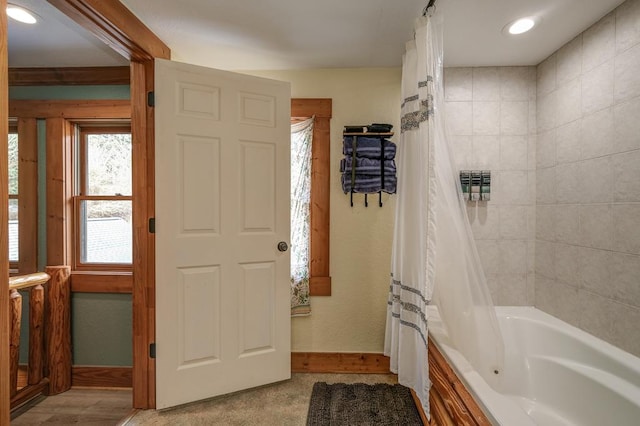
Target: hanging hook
x=432 y=3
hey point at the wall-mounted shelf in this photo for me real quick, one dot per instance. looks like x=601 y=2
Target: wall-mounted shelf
x=368 y=168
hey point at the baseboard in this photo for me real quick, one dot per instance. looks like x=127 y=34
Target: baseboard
x=101 y=376
x=339 y=362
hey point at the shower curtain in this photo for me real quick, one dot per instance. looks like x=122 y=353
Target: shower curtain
x=434 y=258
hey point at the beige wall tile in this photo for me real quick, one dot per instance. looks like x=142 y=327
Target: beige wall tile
x=458 y=84
x=459 y=117
x=597 y=134
x=597 y=88
x=567 y=263
x=513 y=152
x=567 y=224
x=486 y=118
x=513 y=187
x=627 y=77
x=486 y=84
x=546 y=186
x=568 y=183
x=595 y=271
x=486 y=153
x=513 y=290
x=559 y=300
x=513 y=256
x=625 y=278
x=569 y=60
x=596 y=226
x=546 y=149
x=626 y=126
x=626 y=231
x=546 y=111
x=545 y=223
x=514 y=222
x=546 y=76
x=515 y=83
x=598 y=43
x=569 y=101
x=627 y=25
x=626 y=177
x=568 y=142
x=514 y=118
x=597 y=180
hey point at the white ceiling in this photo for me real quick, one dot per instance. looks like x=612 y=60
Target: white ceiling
x=292 y=34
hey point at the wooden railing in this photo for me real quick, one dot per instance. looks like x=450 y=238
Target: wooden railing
x=49 y=367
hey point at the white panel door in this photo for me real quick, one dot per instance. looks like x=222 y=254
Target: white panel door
x=222 y=207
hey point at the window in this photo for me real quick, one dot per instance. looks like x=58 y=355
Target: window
x=13 y=197
x=103 y=200
x=319 y=277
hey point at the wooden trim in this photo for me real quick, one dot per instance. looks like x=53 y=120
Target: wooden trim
x=320 y=281
x=102 y=377
x=308 y=107
x=59 y=190
x=460 y=406
x=101 y=282
x=4 y=199
x=71 y=76
x=320 y=286
x=75 y=109
x=28 y=195
x=416 y=401
x=28 y=393
x=143 y=146
x=117 y=26
x=339 y=362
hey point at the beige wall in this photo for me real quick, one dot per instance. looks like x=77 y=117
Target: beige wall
x=353 y=318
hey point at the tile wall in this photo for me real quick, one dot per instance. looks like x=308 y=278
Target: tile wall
x=491 y=120
x=587 y=264
x=562 y=139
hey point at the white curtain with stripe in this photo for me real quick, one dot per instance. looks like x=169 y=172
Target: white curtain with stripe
x=434 y=258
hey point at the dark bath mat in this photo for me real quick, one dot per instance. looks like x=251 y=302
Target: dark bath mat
x=361 y=404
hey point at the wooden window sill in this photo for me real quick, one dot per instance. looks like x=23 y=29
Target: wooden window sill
x=102 y=282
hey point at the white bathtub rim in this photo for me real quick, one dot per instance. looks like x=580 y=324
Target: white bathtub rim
x=502 y=408
x=544 y=319
x=497 y=407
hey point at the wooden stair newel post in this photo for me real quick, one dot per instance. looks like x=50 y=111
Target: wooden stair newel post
x=58 y=330
x=15 y=307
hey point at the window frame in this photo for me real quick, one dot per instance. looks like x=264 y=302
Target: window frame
x=27 y=196
x=80 y=194
x=14 y=265
x=321 y=110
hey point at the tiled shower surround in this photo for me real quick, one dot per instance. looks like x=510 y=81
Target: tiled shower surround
x=562 y=231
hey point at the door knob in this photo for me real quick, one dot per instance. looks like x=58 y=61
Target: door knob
x=282 y=246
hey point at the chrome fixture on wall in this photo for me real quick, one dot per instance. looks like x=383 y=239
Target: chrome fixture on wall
x=476 y=185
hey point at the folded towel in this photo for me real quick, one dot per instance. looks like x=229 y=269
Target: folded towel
x=369 y=147
x=367 y=166
x=367 y=184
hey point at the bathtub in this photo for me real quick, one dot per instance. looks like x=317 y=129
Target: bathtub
x=554 y=374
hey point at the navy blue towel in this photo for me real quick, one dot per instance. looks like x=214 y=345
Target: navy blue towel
x=367 y=166
x=369 y=147
x=367 y=184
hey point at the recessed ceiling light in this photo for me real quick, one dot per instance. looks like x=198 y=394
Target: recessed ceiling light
x=521 y=26
x=20 y=14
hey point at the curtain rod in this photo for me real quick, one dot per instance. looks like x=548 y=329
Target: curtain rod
x=431 y=4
